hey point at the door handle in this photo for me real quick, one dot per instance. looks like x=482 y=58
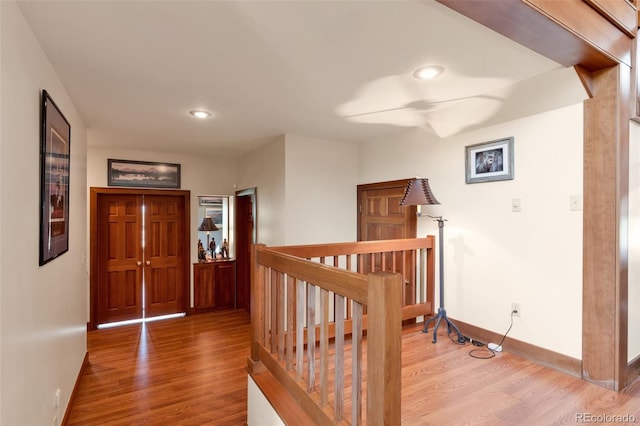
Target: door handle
x=139 y=263
x=148 y=262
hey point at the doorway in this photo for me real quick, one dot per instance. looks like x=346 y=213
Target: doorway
x=139 y=254
x=246 y=236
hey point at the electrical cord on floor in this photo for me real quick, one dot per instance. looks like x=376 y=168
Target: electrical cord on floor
x=475 y=353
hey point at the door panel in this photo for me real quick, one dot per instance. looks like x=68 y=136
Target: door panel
x=382 y=218
x=163 y=260
x=120 y=275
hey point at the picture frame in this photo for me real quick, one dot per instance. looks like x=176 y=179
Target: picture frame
x=214 y=213
x=489 y=161
x=143 y=174
x=55 y=159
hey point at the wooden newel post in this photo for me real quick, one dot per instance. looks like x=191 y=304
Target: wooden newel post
x=257 y=307
x=384 y=345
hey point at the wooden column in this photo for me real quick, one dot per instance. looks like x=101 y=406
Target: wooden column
x=605 y=239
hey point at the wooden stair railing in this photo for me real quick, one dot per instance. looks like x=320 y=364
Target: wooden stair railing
x=298 y=338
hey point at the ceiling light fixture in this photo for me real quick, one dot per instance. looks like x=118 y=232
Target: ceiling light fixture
x=200 y=113
x=428 y=72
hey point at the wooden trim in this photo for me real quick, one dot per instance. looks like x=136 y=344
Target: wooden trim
x=559 y=30
x=622 y=14
x=542 y=356
x=94 y=193
x=83 y=368
x=585 y=79
x=633 y=370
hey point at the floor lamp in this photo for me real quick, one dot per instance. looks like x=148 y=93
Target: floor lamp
x=419 y=193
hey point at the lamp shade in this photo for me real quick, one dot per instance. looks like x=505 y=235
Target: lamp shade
x=207 y=225
x=418 y=193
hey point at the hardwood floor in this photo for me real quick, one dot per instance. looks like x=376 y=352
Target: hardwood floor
x=183 y=371
x=191 y=371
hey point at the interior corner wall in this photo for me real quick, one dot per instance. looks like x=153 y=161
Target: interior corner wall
x=494 y=256
x=633 y=349
x=320 y=190
x=264 y=169
x=42 y=308
x=201 y=175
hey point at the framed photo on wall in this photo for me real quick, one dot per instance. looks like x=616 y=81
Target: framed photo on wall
x=489 y=161
x=55 y=139
x=144 y=174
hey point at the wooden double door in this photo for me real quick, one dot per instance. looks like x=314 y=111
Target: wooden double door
x=140 y=254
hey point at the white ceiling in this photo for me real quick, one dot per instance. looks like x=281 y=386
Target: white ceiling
x=264 y=68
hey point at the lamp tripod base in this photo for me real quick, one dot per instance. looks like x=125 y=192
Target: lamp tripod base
x=442 y=315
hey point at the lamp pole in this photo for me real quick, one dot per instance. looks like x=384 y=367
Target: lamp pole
x=442 y=313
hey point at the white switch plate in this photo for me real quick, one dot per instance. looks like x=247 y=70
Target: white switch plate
x=516 y=205
x=575 y=203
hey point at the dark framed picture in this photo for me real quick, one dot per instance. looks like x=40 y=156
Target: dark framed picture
x=144 y=174
x=55 y=139
x=489 y=161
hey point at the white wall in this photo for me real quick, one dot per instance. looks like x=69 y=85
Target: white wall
x=202 y=175
x=264 y=169
x=42 y=309
x=321 y=179
x=493 y=256
x=633 y=350
x=259 y=410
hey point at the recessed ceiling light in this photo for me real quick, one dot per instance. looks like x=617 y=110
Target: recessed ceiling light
x=200 y=113
x=428 y=72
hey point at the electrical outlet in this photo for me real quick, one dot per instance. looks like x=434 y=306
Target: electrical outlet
x=515 y=309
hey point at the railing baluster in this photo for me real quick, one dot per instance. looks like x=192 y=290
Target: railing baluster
x=274 y=310
x=356 y=365
x=300 y=298
x=267 y=308
x=280 y=314
x=324 y=347
x=338 y=388
x=311 y=337
x=291 y=320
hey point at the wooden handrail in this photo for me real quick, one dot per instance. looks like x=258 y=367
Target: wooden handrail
x=360 y=247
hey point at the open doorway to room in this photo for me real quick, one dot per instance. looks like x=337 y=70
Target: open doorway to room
x=246 y=234
x=139 y=244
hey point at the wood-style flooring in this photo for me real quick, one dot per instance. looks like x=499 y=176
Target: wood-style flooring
x=191 y=371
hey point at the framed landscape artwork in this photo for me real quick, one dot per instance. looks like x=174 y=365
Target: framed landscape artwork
x=55 y=139
x=144 y=174
x=489 y=161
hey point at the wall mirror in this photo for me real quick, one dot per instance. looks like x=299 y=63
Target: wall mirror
x=213 y=227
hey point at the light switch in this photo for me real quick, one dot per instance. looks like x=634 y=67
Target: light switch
x=516 y=205
x=575 y=203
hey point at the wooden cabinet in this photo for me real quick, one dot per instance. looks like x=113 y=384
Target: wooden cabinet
x=214 y=285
